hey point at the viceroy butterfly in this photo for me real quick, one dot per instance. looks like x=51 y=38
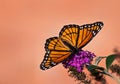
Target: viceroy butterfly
x=72 y=38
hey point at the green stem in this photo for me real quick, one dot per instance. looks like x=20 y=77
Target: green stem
x=112 y=76
x=98 y=59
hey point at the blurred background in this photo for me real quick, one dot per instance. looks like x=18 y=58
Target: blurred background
x=26 y=24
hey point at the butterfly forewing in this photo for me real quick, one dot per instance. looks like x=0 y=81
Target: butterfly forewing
x=69 y=33
x=84 y=37
x=79 y=36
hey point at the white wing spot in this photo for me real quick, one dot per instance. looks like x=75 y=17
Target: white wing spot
x=48 y=51
x=81 y=27
x=44 y=62
x=53 y=63
x=88 y=25
x=94 y=33
x=98 y=29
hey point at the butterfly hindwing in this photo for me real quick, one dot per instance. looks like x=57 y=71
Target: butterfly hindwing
x=56 y=52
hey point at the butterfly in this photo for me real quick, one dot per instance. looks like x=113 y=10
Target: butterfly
x=72 y=38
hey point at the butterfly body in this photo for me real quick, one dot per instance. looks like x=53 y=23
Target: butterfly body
x=72 y=38
x=73 y=49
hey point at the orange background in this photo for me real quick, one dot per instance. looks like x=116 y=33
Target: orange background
x=26 y=24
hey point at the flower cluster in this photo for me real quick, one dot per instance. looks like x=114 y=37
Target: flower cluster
x=79 y=60
x=115 y=69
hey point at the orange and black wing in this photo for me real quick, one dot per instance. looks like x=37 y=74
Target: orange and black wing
x=56 y=52
x=78 y=36
x=70 y=37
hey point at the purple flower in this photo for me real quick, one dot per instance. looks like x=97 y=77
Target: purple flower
x=79 y=60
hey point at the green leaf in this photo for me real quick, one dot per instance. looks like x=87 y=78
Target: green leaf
x=109 y=60
x=93 y=67
x=95 y=70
